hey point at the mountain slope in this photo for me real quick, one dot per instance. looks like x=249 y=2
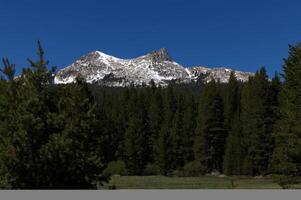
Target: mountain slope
x=221 y=74
x=97 y=67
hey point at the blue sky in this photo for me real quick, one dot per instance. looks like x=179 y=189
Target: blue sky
x=242 y=34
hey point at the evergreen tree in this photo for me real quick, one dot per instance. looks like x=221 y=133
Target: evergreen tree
x=109 y=138
x=26 y=124
x=8 y=103
x=210 y=133
x=233 y=156
x=231 y=100
x=256 y=124
x=50 y=136
x=287 y=152
x=155 y=117
x=272 y=116
x=120 y=119
x=73 y=157
x=136 y=140
x=189 y=125
x=177 y=134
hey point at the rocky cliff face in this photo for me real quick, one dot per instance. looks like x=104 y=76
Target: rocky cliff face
x=99 y=68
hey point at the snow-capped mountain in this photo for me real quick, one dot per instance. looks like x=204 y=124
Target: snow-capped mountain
x=97 y=67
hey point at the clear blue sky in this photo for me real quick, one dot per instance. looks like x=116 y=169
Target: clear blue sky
x=242 y=34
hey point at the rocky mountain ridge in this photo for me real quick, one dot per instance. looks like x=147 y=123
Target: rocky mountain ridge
x=99 y=68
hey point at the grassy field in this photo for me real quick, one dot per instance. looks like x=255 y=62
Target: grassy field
x=204 y=182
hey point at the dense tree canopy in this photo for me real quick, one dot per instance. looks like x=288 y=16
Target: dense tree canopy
x=65 y=136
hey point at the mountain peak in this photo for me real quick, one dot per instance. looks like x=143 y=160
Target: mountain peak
x=160 y=55
x=100 y=68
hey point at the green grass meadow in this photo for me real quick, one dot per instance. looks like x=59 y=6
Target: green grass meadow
x=203 y=182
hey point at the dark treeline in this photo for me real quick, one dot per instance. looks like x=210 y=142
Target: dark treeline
x=76 y=135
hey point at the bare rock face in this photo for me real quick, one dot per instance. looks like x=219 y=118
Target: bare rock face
x=220 y=74
x=99 y=68
x=159 y=56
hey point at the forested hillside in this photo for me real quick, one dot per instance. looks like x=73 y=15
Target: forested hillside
x=76 y=135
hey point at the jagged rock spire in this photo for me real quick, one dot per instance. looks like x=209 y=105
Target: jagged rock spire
x=160 y=55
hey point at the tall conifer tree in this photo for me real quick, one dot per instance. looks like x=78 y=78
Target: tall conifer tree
x=287 y=152
x=136 y=142
x=256 y=124
x=210 y=133
x=233 y=156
